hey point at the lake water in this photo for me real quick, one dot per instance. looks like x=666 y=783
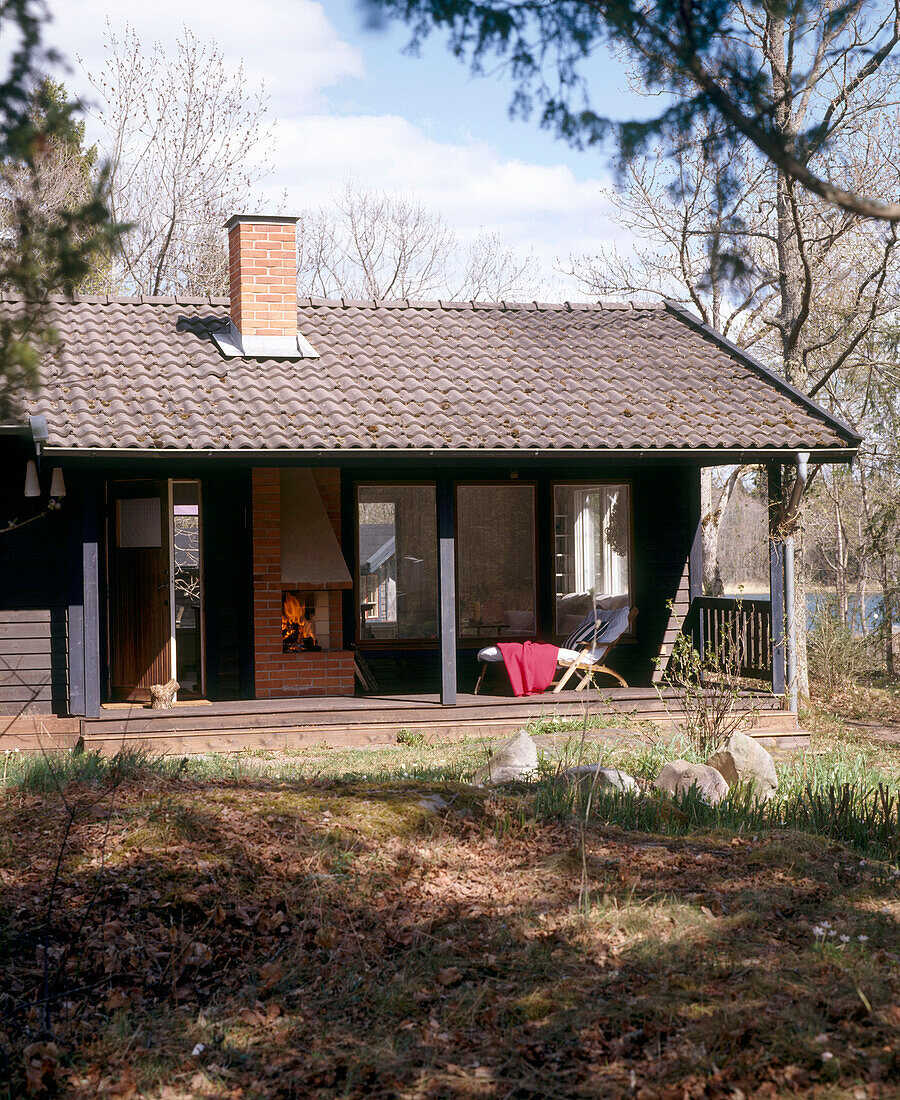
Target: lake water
x=874 y=608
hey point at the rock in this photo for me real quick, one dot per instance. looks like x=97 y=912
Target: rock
x=432 y=803
x=678 y=776
x=517 y=759
x=607 y=778
x=743 y=760
x=163 y=695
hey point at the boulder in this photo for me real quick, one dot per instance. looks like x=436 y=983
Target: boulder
x=516 y=760
x=432 y=803
x=678 y=776
x=607 y=778
x=743 y=760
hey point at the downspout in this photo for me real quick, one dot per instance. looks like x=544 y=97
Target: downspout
x=789 y=575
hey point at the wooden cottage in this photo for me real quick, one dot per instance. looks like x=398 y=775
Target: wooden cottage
x=258 y=490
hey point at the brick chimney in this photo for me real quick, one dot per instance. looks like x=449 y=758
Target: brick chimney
x=262 y=267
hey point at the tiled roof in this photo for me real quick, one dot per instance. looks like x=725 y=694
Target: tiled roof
x=145 y=373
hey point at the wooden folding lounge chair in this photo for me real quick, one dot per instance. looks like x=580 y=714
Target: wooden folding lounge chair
x=585 y=650
x=589 y=645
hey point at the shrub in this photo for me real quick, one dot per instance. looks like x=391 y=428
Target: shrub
x=706 y=687
x=835 y=655
x=413 y=738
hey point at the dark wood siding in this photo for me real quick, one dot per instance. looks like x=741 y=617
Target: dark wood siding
x=662 y=538
x=227 y=585
x=33 y=596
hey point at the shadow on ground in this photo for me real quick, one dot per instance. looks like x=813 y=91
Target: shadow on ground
x=262 y=939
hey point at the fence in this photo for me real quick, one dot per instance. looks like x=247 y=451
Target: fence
x=717 y=621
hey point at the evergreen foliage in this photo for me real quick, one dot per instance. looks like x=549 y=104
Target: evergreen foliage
x=44 y=248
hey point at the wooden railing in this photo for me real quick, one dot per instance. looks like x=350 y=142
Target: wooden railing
x=726 y=624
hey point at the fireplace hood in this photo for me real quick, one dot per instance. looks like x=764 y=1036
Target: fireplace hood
x=310 y=553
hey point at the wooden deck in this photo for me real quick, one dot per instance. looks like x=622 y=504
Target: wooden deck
x=365 y=720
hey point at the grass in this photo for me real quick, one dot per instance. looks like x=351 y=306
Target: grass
x=332 y=939
x=311 y=923
x=39 y=773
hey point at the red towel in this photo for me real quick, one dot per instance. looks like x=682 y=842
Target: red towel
x=531 y=665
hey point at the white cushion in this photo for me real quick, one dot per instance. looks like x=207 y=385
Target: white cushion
x=566 y=656
x=490 y=653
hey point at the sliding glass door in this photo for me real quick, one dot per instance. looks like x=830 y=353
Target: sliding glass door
x=495 y=561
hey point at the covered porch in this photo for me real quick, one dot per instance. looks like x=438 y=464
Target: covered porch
x=343 y=584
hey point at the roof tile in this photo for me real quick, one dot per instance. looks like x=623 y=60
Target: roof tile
x=418 y=375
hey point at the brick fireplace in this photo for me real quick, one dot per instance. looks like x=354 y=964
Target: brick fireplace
x=302 y=671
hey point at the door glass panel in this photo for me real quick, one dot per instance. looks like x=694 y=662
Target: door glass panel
x=593 y=550
x=138 y=522
x=496 y=560
x=397 y=562
x=187 y=585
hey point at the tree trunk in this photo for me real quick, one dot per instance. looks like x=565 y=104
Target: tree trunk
x=801 y=616
x=887 y=617
x=710 y=525
x=840 y=571
x=712 y=512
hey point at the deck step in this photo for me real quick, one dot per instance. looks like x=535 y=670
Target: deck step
x=397 y=712
x=226 y=741
x=375 y=720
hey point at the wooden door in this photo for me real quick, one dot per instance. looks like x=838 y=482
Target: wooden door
x=140 y=623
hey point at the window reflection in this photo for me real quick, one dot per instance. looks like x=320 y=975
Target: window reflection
x=187 y=585
x=495 y=560
x=593 y=550
x=397 y=562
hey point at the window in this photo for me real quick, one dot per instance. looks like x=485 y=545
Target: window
x=397 y=562
x=593 y=549
x=495 y=560
x=187 y=587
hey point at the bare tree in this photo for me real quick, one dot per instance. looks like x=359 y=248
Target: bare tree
x=773 y=75
x=184 y=138
x=802 y=283
x=63 y=171
x=369 y=244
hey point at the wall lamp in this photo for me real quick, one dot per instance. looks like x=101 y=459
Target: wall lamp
x=40 y=433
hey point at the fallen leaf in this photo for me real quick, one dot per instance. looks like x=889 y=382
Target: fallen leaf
x=122 y=1089
x=271 y=972
x=40 y=1066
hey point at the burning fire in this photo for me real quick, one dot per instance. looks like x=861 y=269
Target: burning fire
x=297 y=621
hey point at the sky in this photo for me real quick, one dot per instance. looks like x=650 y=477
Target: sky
x=346 y=100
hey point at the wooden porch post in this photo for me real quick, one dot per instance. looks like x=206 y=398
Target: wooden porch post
x=446 y=526
x=75 y=617
x=695 y=565
x=776 y=578
x=90 y=558
x=83 y=640
x=695 y=559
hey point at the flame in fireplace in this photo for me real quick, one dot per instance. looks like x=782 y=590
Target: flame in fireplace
x=297 y=622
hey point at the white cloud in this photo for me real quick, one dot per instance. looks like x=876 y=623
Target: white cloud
x=472 y=186
x=291 y=45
